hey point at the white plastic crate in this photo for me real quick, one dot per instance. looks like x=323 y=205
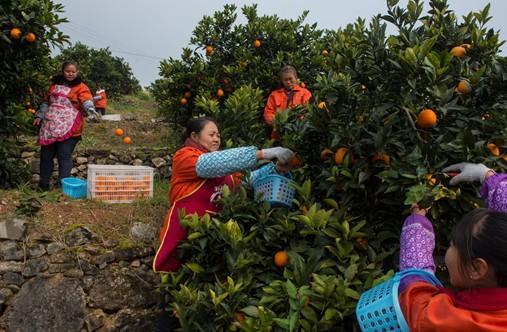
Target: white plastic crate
x=119 y=183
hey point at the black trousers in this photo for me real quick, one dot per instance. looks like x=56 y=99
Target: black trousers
x=63 y=152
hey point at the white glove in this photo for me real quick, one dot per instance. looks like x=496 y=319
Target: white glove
x=283 y=155
x=469 y=172
x=93 y=114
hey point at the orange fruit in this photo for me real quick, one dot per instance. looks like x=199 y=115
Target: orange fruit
x=187 y=94
x=324 y=53
x=383 y=157
x=281 y=258
x=431 y=179
x=31 y=110
x=118 y=132
x=30 y=37
x=295 y=162
x=322 y=105
x=426 y=118
x=16 y=33
x=340 y=154
x=463 y=87
x=256 y=43
x=210 y=50
x=458 y=51
x=239 y=316
x=183 y=101
x=220 y=93
x=495 y=151
x=362 y=242
x=127 y=140
x=325 y=154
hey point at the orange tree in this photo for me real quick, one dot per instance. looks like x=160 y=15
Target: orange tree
x=227 y=55
x=27 y=32
x=389 y=112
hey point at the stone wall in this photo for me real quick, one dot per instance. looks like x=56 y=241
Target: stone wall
x=77 y=283
x=160 y=159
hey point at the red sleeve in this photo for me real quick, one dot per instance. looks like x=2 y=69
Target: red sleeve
x=184 y=162
x=270 y=110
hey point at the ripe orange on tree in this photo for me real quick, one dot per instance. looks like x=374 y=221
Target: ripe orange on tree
x=30 y=37
x=118 y=132
x=383 y=157
x=322 y=105
x=325 y=154
x=256 y=43
x=463 y=87
x=127 y=140
x=220 y=93
x=183 y=101
x=431 y=179
x=187 y=94
x=15 y=33
x=281 y=258
x=239 y=316
x=295 y=162
x=427 y=118
x=31 y=110
x=459 y=51
x=210 y=50
x=340 y=154
x=493 y=148
x=324 y=52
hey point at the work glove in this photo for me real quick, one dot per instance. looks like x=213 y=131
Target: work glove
x=283 y=155
x=92 y=114
x=468 y=172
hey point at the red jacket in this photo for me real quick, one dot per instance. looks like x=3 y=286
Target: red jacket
x=102 y=102
x=277 y=102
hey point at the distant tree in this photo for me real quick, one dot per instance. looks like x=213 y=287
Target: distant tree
x=99 y=68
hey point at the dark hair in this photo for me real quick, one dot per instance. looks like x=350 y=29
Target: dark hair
x=482 y=233
x=195 y=125
x=287 y=69
x=67 y=63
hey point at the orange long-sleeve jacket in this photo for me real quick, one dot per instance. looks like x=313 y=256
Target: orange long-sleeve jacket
x=278 y=101
x=102 y=102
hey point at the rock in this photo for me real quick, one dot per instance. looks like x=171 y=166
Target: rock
x=61 y=257
x=5 y=293
x=81 y=160
x=105 y=259
x=55 y=247
x=158 y=162
x=13 y=278
x=114 y=290
x=35 y=178
x=27 y=154
x=74 y=171
x=36 y=251
x=12 y=229
x=79 y=236
x=95 y=320
x=11 y=267
x=129 y=254
x=137 y=162
x=40 y=237
x=110 y=243
x=73 y=273
x=11 y=252
x=135 y=263
x=143 y=232
x=134 y=320
x=58 y=306
x=82 y=168
x=35 y=266
x=112 y=157
x=35 y=165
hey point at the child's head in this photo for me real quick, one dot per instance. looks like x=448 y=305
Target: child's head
x=289 y=77
x=69 y=71
x=477 y=256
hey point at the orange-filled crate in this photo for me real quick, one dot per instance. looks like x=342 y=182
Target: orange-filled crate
x=119 y=183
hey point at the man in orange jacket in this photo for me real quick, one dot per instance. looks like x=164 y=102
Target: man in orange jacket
x=289 y=95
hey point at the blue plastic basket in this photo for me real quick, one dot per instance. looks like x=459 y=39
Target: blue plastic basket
x=378 y=308
x=277 y=190
x=74 y=187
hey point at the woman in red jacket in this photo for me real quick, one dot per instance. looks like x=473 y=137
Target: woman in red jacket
x=289 y=95
x=61 y=121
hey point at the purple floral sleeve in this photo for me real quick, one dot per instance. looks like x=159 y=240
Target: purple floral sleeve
x=494 y=192
x=417 y=243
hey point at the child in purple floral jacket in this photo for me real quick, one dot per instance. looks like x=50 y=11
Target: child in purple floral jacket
x=476 y=261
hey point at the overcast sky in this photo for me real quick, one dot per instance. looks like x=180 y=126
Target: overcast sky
x=145 y=32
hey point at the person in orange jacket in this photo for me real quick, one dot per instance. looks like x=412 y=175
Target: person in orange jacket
x=476 y=261
x=289 y=95
x=61 y=121
x=100 y=101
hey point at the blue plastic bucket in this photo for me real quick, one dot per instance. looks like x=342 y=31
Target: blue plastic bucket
x=378 y=308
x=74 y=187
x=277 y=190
